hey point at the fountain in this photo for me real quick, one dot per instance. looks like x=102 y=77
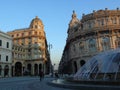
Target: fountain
x=104 y=66
x=100 y=72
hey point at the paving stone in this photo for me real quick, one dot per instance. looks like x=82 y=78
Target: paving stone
x=26 y=83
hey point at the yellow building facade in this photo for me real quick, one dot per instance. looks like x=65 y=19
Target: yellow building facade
x=96 y=32
x=30 y=50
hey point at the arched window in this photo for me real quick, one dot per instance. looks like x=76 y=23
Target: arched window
x=92 y=45
x=105 y=43
x=81 y=46
x=73 y=49
x=114 y=20
x=89 y=25
x=35 y=32
x=36 y=26
x=102 y=22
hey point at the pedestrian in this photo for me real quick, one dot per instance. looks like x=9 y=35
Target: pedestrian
x=56 y=75
x=41 y=74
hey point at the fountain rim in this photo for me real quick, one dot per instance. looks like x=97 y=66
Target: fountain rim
x=94 y=82
x=83 y=86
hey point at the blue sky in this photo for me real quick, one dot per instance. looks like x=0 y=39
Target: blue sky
x=55 y=14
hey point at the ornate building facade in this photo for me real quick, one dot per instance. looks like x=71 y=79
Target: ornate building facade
x=30 y=49
x=5 y=55
x=94 y=33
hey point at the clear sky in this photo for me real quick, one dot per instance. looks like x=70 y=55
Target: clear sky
x=55 y=14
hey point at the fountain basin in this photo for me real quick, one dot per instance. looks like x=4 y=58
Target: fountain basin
x=101 y=72
x=85 y=84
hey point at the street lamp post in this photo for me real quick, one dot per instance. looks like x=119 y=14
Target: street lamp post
x=54 y=68
x=49 y=48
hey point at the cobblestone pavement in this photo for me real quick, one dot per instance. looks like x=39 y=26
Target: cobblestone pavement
x=26 y=83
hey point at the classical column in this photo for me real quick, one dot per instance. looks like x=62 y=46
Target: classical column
x=23 y=68
x=117 y=20
x=111 y=43
x=32 y=69
x=86 y=46
x=13 y=71
x=44 y=67
x=38 y=69
x=99 y=43
x=9 y=72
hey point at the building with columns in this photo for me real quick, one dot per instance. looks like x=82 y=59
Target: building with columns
x=5 y=54
x=30 y=50
x=96 y=32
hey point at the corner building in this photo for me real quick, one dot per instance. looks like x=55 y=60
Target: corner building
x=94 y=33
x=5 y=54
x=30 y=53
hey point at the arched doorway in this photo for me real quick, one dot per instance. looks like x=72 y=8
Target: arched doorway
x=75 y=66
x=40 y=67
x=29 y=68
x=18 y=69
x=82 y=62
x=6 y=70
x=35 y=69
x=0 y=70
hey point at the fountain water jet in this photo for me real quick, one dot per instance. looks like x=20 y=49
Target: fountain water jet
x=100 y=72
x=101 y=67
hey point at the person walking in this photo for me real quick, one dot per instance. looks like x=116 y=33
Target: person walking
x=41 y=74
x=56 y=75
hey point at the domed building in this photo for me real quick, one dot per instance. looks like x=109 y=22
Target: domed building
x=30 y=49
x=96 y=32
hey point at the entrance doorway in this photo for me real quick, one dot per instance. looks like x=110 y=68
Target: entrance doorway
x=40 y=67
x=35 y=69
x=29 y=68
x=18 y=69
x=6 y=71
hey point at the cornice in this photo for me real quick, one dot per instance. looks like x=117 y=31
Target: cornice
x=100 y=14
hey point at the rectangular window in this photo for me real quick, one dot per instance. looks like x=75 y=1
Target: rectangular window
x=102 y=22
x=36 y=33
x=22 y=34
x=29 y=33
x=29 y=50
x=17 y=34
x=7 y=44
x=0 y=42
x=6 y=58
